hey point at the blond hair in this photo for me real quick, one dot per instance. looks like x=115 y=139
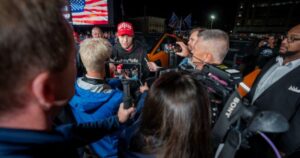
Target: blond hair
x=94 y=52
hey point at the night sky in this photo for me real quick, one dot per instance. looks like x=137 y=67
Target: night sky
x=225 y=11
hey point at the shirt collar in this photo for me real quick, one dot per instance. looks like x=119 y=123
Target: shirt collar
x=279 y=60
x=293 y=63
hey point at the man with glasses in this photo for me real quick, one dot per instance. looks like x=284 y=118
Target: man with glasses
x=211 y=47
x=277 y=88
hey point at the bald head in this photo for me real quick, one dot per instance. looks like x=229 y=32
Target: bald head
x=215 y=43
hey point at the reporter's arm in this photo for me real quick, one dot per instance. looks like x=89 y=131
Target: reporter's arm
x=85 y=133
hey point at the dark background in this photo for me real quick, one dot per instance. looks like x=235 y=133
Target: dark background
x=225 y=11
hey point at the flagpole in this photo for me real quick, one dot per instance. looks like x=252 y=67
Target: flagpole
x=122 y=10
x=70 y=11
x=180 y=25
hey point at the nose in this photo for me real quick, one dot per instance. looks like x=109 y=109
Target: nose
x=126 y=38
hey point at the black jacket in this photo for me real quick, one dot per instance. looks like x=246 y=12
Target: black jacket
x=138 y=52
x=282 y=97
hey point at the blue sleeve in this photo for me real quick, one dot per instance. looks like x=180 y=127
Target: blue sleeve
x=110 y=108
x=184 y=61
x=86 y=133
x=140 y=104
x=115 y=83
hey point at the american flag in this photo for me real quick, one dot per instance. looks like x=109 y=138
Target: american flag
x=89 y=12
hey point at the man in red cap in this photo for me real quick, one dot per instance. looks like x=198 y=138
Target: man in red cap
x=129 y=49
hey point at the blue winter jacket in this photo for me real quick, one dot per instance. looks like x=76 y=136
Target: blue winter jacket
x=93 y=102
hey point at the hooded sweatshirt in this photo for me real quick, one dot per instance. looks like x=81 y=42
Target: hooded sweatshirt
x=138 y=53
x=97 y=101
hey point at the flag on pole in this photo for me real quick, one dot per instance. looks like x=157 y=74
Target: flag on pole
x=188 y=21
x=66 y=13
x=89 y=12
x=179 y=25
x=173 y=20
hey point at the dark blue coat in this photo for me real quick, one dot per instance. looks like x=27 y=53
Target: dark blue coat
x=62 y=142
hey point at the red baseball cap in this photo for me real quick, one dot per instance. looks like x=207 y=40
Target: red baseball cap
x=125 y=28
x=120 y=66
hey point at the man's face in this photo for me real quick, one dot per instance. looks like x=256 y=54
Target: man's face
x=292 y=41
x=271 y=40
x=96 y=33
x=125 y=41
x=192 y=40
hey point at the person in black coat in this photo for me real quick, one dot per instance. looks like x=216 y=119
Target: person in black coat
x=277 y=88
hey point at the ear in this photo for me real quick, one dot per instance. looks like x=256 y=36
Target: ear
x=43 y=90
x=207 y=58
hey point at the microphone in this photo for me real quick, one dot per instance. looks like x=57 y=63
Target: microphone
x=269 y=121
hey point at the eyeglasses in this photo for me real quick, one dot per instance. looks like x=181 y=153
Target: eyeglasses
x=292 y=38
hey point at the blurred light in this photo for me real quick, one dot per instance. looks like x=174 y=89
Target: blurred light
x=213 y=17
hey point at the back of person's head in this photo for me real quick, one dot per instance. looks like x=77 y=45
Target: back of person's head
x=175 y=118
x=34 y=37
x=217 y=41
x=94 y=52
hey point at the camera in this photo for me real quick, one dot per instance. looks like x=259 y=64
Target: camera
x=220 y=82
x=172 y=48
x=126 y=74
x=233 y=119
x=123 y=70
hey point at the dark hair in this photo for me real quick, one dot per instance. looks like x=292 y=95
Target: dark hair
x=34 y=37
x=175 y=119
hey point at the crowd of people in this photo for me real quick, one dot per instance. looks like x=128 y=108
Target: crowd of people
x=169 y=118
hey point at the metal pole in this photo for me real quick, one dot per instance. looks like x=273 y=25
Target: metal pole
x=122 y=10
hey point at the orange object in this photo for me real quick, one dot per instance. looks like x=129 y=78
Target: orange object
x=158 y=54
x=248 y=80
